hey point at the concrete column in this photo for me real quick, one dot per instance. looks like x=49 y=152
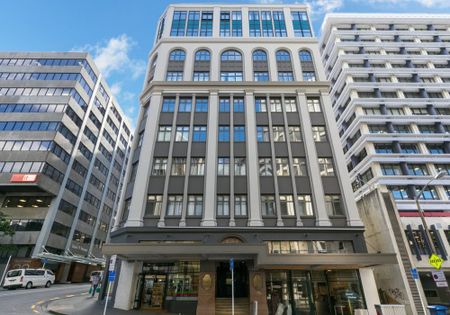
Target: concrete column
x=369 y=287
x=245 y=24
x=353 y=218
x=216 y=22
x=318 y=194
x=258 y=290
x=138 y=201
x=254 y=211
x=231 y=221
x=209 y=213
x=126 y=286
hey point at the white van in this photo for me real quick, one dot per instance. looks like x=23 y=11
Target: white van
x=28 y=278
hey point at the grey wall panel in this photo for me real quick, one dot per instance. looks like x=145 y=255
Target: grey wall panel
x=239 y=149
x=241 y=222
x=200 y=118
x=166 y=118
x=330 y=185
x=223 y=149
x=303 y=185
x=175 y=65
x=196 y=185
x=270 y=221
x=170 y=221
x=264 y=150
x=284 y=185
x=240 y=185
x=156 y=185
x=193 y=221
x=323 y=149
x=176 y=185
x=338 y=221
x=298 y=150
x=198 y=149
x=277 y=119
x=224 y=118
x=262 y=119
x=161 y=149
x=317 y=119
x=289 y=221
x=266 y=185
x=221 y=221
x=183 y=119
x=293 y=119
x=231 y=65
x=281 y=149
x=223 y=184
x=180 y=149
x=239 y=118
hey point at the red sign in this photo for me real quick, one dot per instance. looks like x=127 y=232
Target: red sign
x=23 y=178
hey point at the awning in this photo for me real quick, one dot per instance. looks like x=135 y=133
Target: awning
x=257 y=252
x=70 y=258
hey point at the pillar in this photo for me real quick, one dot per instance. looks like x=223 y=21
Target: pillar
x=258 y=291
x=126 y=285
x=369 y=287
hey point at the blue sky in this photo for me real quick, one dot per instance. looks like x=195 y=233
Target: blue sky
x=119 y=34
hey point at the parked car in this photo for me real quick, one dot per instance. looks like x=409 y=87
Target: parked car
x=29 y=278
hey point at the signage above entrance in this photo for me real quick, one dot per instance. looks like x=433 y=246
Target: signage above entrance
x=435 y=261
x=23 y=178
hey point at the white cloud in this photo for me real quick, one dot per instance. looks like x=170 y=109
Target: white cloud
x=324 y=6
x=425 y=3
x=116 y=88
x=114 y=56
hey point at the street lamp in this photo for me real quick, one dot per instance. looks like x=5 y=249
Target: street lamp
x=421 y=214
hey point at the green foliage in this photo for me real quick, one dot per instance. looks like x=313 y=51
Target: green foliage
x=6 y=230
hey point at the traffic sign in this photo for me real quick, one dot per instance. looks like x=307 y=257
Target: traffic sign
x=111 y=276
x=414 y=273
x=435 y=261
x=231 y=264
x=112 y=263
x=45 y=261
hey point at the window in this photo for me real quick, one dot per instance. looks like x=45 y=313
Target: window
x=223 y=166
x=417 y=169
x=174 y=205
x=377 y=129
x=278 y=134
x=240 y=205
x=266 y=24
x=154 y=205
x=195 y=205
x=239 y=133
x=231 y=55
x=268 y=207
x=282 y=55
x=206 y=27
x=185 y=105
x=326 y=167
x=199 y=134
x=391 y=169
x=262 y=134
x=198 y=166
x=402 y=129
x=333 y=205
x=177 y=55
x=254 y=23
x=282 y=166
x=224 y=105
x=428 y=129
x=230 y=76
x=174 y=76
x=260 y=76
x=305 y=55
x=178 y=23
x=429 y=193
x=265 y=167
x=224 y=134
x=305 y=205
x=299 y=166
x=238 y=105
x=313 y=105
x=290 y=105
x=435 y=148
x=399 y=192
x=230 y=23
x=201 y=104
x=260 y=105
x=259 y=55
x=275 y=105
x=319 y=133
x=300 y=22
x=443 y=167
x=182 y=134
x=294 y=134
x=202 y=55
x=239 y=166
x=201 y=76
x=159 y=166
x=279 y=24
x=223 y=205
x=409 y=148
x=287 y=205
x=306 y=62
x=309 y=76
x=178 y=166
x=285 y=76
x=193 y=23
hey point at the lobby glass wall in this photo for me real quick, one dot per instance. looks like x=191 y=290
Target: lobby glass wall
x=314 y=292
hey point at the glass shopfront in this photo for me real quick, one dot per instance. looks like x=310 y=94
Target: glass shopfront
x=162 y=286
x=300 y=292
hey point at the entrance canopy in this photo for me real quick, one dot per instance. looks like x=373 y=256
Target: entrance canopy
x=256 y=252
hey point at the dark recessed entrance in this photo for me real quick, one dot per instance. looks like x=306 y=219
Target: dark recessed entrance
x=241 y=287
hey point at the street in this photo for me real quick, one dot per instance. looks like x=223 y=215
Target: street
x=21 y=301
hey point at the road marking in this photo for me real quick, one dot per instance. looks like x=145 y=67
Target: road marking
x=40 y=302
x=70 y=295
x=36 y=311
x=33 y=306
x=55 y=298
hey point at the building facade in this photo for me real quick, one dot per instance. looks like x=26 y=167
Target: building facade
x=390 y=93
x=64 y=144
x=237 y=156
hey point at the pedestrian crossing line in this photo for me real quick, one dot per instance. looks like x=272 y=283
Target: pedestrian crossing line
x=55 y=298
x=40 y=302
x=70 y=295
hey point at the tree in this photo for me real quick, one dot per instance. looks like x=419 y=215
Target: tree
x=6 y=230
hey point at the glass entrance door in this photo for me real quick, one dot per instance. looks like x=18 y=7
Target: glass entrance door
x=153 y=291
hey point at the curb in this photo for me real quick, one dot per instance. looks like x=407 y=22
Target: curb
x=62 y=298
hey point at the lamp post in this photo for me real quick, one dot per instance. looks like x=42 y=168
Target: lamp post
x=421 y=213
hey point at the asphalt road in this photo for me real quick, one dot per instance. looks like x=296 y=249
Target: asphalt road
x=23 y=302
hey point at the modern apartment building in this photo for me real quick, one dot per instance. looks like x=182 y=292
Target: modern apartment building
x=390 y=79
x=64 y=144
x=237 y=156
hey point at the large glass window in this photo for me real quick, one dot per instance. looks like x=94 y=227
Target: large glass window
x=202 y=55
x=326 y=166
x=201 y=104
x=254 y=23
x=195 y=205
x=294 y=134
x=239 y=133
x=391 y=169
x=239 y=166
x=319 y=133
x=279 y=24
x=193 y=23
x=207 y=24
x=154 y=205
x=159 y=166
x=199 y=134
x=265 y=167
x=299 y=166
x=262 y=134
x=185 y=105
x=168 y=105
x=223 y=205
x=282 y=166
x=198 y=166
x=174 y=205
x=223 y=166
x=287 y=205
x=177 y=55
x=230 y=23
x=164 y=133
x=182 y=134
x=333 y=204
x=313 y=105
x=260 y=105
x=178 y=23
x=266 y=24
x=238 y=105
x=178 y=166
x=300 y=23
x=268 y=207
x=399 y=192
x=305 y=205
x=240 y=205
x=224 y=134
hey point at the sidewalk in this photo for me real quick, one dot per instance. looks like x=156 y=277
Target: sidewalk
x=87 y=305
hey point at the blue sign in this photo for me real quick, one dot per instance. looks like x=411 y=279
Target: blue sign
x=231 y=263
x=414 y=273
x=45 y=261
x=111 y=276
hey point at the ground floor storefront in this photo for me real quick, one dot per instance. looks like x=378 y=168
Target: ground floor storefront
x=175 y=287
x=435 y=289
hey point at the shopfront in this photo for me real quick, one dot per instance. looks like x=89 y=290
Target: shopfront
x=300 y=292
